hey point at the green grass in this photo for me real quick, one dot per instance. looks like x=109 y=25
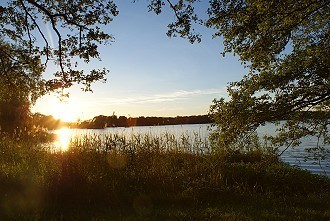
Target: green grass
x=146 y=177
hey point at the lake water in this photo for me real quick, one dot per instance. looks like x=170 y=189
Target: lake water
x=297 y=156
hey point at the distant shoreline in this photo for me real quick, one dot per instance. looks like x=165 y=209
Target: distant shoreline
x=101 y=121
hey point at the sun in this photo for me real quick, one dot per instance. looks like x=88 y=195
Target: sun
x=66 y=112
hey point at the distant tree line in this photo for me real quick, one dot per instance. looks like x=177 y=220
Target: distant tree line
x=102 y=121
x=47 y=122
x=9 y=120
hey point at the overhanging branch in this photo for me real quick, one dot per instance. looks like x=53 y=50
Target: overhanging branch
x=53 y=22
x=39 y=30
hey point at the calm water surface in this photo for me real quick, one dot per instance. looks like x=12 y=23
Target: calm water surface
x=297 y=156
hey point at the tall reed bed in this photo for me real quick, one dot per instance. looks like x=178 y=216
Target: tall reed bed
x=136 y=142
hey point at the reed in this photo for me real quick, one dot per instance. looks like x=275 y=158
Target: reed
x=136 y=142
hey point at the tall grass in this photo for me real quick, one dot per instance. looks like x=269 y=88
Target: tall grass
x=136 y=142
x=138 y=173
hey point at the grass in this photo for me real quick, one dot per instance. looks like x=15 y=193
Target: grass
x=145 y=177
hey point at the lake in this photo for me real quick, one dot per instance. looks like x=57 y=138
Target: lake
x=297 y=156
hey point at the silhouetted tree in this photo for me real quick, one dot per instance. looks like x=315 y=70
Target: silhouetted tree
x=98 y=122
x=20 y=85
x=112 y=121
x=44 y=121
x=122 y=121
x=14 y=115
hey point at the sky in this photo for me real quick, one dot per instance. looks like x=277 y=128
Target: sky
x=150 y=73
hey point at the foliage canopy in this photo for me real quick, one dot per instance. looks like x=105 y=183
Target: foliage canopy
x=285 y=45
x=76 y=25
x=21 y=84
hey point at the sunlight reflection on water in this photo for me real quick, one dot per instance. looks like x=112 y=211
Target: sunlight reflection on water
x=64 y=136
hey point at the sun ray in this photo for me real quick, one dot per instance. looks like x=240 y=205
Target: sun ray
x=50 y=35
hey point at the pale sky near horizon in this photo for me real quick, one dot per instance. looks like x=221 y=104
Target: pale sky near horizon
x=150 y=73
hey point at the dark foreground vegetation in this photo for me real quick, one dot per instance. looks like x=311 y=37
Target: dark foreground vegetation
x=153 y=178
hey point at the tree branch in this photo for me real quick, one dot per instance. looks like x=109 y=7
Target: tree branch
x=27 y=26
x=285 y=149
x=69 y=21
x=39 y=30
x=174 y=9
x=53 y=22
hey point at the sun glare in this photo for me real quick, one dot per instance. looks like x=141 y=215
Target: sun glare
x=66 y=112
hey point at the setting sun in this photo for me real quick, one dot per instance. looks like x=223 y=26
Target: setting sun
x=66 y=112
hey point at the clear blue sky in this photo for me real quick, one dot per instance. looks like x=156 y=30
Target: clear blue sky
x=150 y=74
